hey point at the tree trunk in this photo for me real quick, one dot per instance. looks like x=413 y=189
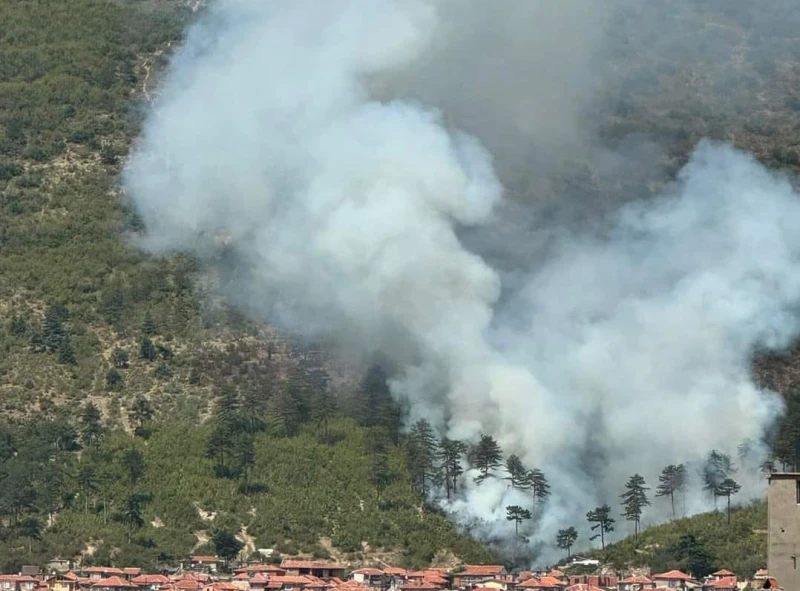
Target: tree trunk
x=729 y=509
x=672 y=500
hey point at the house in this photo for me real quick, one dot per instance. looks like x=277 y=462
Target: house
x=288 y=582
x=258 y=582
x=264 y=569
x=583 y=587
x=103 y=572
x=150 y=582
x=723 y=584
x=114 y=583
x=323 y=570
x=594 y=580
x=18 y=583
x=472 y=574
x=494 y=584
x=372 y=577
x=205 y=564
x=542 y=584
x=131 y=572
x=675 y=579
x=637 y=583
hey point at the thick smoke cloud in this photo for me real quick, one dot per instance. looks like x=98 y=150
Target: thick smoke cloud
x=303 y=133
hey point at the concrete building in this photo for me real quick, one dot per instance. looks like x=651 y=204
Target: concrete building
x=784 y=528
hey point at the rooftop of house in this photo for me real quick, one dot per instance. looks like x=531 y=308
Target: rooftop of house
x=482 y=570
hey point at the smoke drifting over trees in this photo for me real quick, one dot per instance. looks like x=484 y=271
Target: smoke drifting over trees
x=360 y=191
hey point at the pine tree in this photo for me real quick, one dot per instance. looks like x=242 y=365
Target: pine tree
x=243 y=456
x=141 y=414
x=119 y=357
x=114 y=380
x=517 y=473
x=87 y=482
x=422 y=446
x=727 y=488
x=566 y=538
x=323 y=410
x=147 y=350
x=671 y=480
x=601 y=517
x=133 y=514
x=634 y=500
x=450 y=454
x=486 y=457
x=53 y=333
x=717 y=468
x=517 y=514
x=380 y=472
x=133 y=460
x=226 y=425
x=91 y=427
x=376 y=407
x=149 y=326
x=536 y=482
x=66 y=353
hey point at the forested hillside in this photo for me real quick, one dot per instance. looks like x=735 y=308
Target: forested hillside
x=140 y=415
x=111 y=359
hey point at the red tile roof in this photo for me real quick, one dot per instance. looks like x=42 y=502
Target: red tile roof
x=529 y=582
x=724 y=583
x=188 y=583
x=291 y=580
x=673 y=575
x=260 y=568
x=113 y=582
x=482 y=570
x=549 y=583
x=287 y=564
x=420 y=586
x=370 y=572
x=104 y=570
x=205 y=559
x=557 y=574
x=723 y=572
x=395 y=570
x=132 y=570
x=150 y=580
x=583 y=587
x=640 y=580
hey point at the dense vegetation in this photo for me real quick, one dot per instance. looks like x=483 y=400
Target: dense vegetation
x=112 y=361
x=698 y=545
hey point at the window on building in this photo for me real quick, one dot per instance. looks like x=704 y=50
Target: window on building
x=797 y=489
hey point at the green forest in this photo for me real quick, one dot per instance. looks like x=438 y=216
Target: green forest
x=142 y=419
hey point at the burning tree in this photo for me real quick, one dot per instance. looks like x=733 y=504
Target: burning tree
x=486 y=457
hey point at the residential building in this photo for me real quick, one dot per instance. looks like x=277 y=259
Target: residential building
x=723 y=584
x=675 y=579
x=636 y=583
x=18 y=583
x=323 y=570
x=114 y=583
x=783 y=522
x=372 y=577
x=205 y=564
x=472 y=574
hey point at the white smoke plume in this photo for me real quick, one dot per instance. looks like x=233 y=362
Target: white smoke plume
x=624 y=352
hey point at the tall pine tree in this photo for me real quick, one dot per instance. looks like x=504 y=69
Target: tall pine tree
x=634 y=500
x=486 y=457
x=450 y=453
x=603 y=523
x=671 y=481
